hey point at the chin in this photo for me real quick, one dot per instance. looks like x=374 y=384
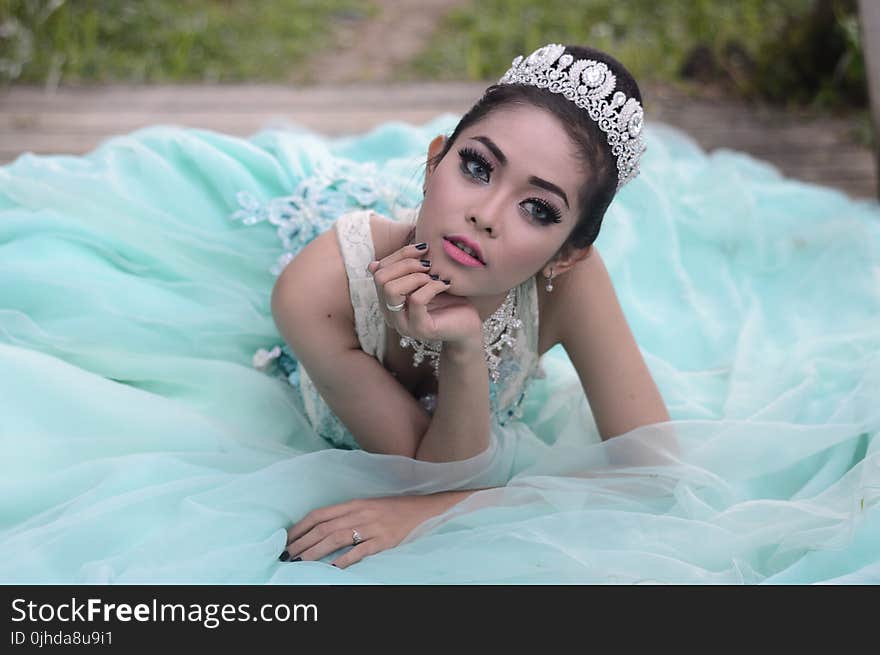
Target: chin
x=468 y=291
x=453 y=291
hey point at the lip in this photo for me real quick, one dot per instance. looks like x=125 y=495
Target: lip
x=470 y=244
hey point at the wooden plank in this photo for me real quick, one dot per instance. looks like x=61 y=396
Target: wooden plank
x=819 y=134
x=244 y=97
x=61 y=122
x=76 y=120
x=869 y=18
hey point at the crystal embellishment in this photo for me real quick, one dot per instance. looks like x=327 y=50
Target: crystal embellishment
x=497 y=334
x=588 y=84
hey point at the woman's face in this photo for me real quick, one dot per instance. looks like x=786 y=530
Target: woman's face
x=509 y=186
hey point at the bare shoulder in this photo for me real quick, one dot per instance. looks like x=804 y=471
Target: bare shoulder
x=311 y=302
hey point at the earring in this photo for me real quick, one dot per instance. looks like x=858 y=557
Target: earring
x=549 y=286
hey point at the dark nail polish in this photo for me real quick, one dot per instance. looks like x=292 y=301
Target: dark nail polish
x=334 y=565
x=284 y=556
x=447 y=281
x=422 y=245
x=426 y=262
x=297 y=559
x=433 y=276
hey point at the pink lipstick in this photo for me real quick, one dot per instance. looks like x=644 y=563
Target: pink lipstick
x=453 y=244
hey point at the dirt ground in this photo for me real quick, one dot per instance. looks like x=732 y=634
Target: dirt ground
x=371 y=49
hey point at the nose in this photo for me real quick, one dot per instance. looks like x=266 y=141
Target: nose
x=487 y=218
x=481 y=225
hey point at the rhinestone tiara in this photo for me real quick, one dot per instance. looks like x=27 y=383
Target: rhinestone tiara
x=588 y=83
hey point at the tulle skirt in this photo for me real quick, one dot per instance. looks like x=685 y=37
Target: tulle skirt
x=143 y=442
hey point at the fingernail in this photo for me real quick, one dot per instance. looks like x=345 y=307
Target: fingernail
x=370 y=264
x=447 y=281
x=422 y=245
x=426 y=262
x=284 y=556
x=297 y=559
x=334 y=565
x=433 y=276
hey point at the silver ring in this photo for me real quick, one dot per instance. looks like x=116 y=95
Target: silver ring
x=395 y=308
x=355 y=538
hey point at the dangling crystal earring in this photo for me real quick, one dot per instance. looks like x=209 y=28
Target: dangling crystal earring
x=549 y=286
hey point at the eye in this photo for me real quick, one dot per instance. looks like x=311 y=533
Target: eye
x=472 y=162
x=545 y=212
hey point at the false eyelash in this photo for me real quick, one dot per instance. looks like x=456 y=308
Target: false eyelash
x=473 y=155
x=555 y=214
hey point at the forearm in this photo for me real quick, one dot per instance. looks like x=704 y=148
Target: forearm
x=629 y=397
x=444 y=500
x=459 y=428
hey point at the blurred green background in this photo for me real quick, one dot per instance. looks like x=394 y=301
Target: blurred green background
x=792 y=52
x=789 y=51
x=151 y=41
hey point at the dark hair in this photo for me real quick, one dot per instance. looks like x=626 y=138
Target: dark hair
x=596 y=194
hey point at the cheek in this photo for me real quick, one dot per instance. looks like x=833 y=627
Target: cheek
x=443 y=186
x=526 y=256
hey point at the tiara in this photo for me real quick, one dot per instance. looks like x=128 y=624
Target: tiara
x=588 y=83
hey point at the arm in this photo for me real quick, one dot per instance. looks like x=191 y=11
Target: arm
x=460 y=426
x=315 y=320
x=594 y=332
x=313 y=313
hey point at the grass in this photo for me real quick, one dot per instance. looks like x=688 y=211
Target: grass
x=144 y=41
x=799 y=52
x=654 y=40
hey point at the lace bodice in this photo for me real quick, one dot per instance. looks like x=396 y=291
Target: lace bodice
x=517 y=367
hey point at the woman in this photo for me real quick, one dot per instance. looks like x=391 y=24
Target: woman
x=139 y=444
x=513 y=201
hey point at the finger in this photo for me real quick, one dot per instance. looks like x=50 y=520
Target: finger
x=334 y=530
x=413 y=251
x=317 y=516
x=356 y=554
x=417 y=303
x=333 y=541
x=397 y=290
x=400 y=268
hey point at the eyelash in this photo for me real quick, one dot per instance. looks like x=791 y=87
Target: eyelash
x=469 y=154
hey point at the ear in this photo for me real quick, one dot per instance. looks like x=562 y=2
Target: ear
x=434 y=149
x=565 y=259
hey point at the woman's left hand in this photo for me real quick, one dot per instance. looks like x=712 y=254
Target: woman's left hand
x=381 y=523
x=429 y=312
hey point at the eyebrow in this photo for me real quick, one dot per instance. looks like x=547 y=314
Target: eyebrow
x=537 y=181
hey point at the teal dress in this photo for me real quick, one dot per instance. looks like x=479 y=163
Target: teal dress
x=140 y=441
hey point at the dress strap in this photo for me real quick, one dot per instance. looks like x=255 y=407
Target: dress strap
x=356 y=244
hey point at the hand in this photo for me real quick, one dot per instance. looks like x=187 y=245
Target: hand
x=381 y=522
x=430 y=314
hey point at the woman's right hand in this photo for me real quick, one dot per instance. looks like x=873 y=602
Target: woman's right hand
x=429 y=314
x=381 y=523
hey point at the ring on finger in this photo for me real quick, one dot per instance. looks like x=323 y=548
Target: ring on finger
x=356 y=538
x=396 y=308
